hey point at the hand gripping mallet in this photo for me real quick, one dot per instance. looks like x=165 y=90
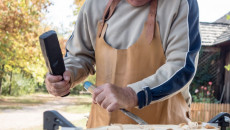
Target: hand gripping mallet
x=52 y=53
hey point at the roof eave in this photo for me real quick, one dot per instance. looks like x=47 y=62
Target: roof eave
x=223 y=44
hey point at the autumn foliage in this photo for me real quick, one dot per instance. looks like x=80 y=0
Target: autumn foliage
x=20 y=53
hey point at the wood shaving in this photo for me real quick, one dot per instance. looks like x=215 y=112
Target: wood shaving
x=199 y=123
x=182 y=124
x=193 y=125
x=209 y=127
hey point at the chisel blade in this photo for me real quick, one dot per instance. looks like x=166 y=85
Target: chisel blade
x=134 y=117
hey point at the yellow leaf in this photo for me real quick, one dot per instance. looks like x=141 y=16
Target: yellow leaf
x=227 y=67
x=228 y=17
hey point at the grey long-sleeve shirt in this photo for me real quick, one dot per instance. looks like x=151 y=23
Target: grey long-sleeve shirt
x=179 y=28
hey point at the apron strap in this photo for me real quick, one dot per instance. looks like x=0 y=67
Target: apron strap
x=112 y=8
x=103 y=30
x=109 y=10
x=151 y=21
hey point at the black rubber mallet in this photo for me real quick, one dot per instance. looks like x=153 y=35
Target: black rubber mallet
x=52 y=53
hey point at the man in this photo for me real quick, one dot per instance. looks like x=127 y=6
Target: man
x=146 y=54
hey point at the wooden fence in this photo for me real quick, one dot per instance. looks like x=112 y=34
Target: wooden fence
x=206 y=111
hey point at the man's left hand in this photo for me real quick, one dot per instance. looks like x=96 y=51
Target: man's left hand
x=112 y=98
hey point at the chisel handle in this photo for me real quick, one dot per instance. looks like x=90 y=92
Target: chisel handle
x=89 y=86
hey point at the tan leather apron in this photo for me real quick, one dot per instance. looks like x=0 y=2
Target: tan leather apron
x=126 y=66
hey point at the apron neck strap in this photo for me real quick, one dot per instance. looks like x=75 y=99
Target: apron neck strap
x=109 y=10
x=137 y=3
x=151 y=21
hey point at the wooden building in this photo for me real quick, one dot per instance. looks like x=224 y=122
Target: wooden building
x=215 y=54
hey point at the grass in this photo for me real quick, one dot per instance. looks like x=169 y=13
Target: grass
x=16 y=103
x=23 y=101
x=79 y=104
x=77 y=109
x=40 y=127
x=10 y=107
x=34 y=99
x=74 y=104
x=80 y=123
x=79 y=99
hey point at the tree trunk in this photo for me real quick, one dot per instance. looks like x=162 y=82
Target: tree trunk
x=227 y=81
x=1 y=77
x=11 y=76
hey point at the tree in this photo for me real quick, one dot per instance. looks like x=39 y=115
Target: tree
x=79 y=2
x=19 y=30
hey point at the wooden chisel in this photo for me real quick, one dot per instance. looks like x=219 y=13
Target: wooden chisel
x=90 y=87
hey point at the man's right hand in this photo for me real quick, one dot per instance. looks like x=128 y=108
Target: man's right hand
x=56 y=86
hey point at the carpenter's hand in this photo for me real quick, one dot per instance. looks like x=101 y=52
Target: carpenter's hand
x=112 y=98
x=56 y=86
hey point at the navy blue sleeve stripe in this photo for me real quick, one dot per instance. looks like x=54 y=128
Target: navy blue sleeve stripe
x=185 y=74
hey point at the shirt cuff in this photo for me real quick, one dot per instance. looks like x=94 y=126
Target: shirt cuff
x=143 y=92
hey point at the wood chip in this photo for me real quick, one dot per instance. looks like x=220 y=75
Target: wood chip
x=182 y=124
x=209 y=127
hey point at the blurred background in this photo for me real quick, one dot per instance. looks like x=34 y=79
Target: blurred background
x=23 y=97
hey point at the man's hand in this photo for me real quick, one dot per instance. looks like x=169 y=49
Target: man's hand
x=56 y=86
x=112 y=98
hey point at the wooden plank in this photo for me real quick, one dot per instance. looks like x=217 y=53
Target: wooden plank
x=146 y=127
